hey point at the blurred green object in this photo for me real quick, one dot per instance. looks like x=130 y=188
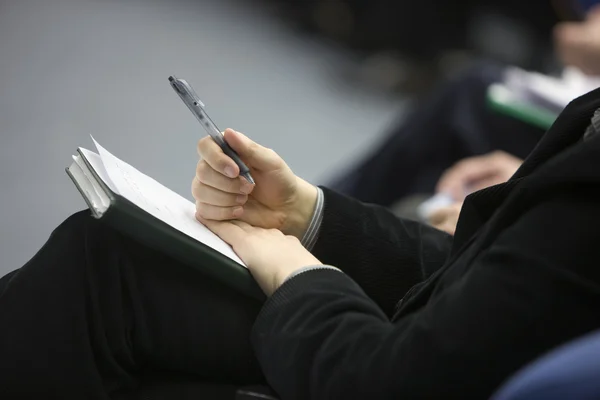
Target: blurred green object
x=504 y=101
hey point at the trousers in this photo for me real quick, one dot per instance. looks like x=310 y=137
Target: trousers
x=454 y=123
x=96 y=315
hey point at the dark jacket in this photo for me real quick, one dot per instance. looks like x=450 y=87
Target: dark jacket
x=521 y=276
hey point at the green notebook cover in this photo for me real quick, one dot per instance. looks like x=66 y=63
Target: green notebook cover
x=150 y=231
x=501 y=100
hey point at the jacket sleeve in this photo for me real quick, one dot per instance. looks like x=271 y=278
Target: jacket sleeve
x=384 y=254
x=320 y=337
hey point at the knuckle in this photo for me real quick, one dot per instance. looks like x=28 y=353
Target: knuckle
x=201 y=146
x=227 y=213
x=195 y=188
x=201 y=211
x=273 y=155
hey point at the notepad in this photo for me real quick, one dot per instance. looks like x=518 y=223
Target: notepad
x=154 y=215
x=537 y=98
x=549 y=91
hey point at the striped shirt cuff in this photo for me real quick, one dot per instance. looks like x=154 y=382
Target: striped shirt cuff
x=312 y=233
x=310 y=268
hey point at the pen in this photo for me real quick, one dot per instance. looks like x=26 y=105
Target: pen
x=192 y=101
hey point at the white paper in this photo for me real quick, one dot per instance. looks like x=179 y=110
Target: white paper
x=434 y=203
x=96 y=163
x=159 y=201
x=557 y=91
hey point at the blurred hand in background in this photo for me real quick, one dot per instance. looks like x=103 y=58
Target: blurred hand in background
x=476 y=173
x=445 y=219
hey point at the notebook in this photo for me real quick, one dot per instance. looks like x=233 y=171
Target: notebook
x=154 y=215
x=536 y=98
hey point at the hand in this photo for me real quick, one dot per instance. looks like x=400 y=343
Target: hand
x=270 y=255
x=280 y=200
x=476 y=173
x=578 y=43
x=446 y=218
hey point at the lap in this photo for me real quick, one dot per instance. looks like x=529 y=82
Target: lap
x=97 y=308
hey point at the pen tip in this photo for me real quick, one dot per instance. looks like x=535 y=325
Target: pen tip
x=249 y=178
x=171 y=78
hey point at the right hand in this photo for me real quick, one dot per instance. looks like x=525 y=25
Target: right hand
x=476 y=173
x=279 y=200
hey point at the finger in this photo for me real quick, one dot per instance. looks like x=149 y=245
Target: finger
x=455 y=181
x=230 y=233
x=486 y=183
x=209 y=195
x=447 y=224
x=439 y=216
x=206 y=175
x=452 y=186
x=255 y=155
x=447 y=227
x=457 y=178
x=212 y=153
x=211 y=212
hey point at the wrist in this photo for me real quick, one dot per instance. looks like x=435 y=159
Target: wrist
x=301 y=210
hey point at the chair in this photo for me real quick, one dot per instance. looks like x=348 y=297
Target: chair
x=571 y=371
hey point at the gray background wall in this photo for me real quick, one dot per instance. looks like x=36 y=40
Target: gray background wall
x=69 y=68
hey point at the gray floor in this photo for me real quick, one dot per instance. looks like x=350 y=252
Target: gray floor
x=69 y=68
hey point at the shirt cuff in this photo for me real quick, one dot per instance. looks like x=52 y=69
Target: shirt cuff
x=310 y=268
x=312 y=233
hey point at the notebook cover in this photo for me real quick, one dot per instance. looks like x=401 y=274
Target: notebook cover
x=521 y=110
x=152 y=232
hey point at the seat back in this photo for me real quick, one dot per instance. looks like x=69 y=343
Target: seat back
x=571 y=371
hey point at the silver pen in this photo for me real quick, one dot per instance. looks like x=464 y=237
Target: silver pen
x=192 y=101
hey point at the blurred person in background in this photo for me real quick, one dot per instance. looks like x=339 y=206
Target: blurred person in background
x=578 y=43
x=408 y=44
x=457 y=123
x=475 y=173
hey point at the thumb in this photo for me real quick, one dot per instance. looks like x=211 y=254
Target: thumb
x=252 y=153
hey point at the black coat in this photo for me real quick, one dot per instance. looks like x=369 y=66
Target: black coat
x=521 y=276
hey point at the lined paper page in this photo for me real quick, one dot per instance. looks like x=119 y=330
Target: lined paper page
x=159 y=201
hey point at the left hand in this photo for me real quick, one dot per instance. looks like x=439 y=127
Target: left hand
x=270 y=255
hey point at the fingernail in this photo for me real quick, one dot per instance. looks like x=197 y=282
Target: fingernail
x=230 y=172
x=241 y=199
x=246 y=188
x=237 y=212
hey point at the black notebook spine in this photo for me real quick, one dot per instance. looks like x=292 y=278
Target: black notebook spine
x=152 y=232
